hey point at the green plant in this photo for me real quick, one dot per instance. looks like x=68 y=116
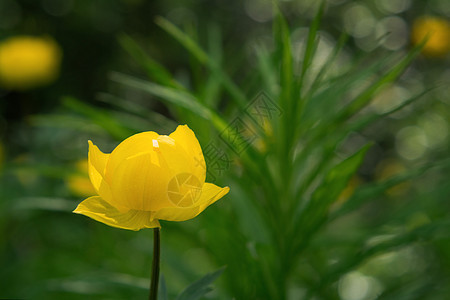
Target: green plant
x=289 y=229
x=276 y=235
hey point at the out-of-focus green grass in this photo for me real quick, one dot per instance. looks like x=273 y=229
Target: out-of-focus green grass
x=341 y=195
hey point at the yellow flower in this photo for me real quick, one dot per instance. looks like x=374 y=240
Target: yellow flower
x=149 y=177
x=438 y=32
x=79 y=183
x=27 y=62
x=389 y=168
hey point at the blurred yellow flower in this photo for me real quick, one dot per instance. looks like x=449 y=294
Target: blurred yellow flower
x=149 y=177
x=79 y=183
x=438 y=31
x=389 y=168
x=349 y=190
x=27 y=62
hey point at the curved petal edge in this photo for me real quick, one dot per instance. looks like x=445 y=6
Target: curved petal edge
x=210 y=194
x=100 y=210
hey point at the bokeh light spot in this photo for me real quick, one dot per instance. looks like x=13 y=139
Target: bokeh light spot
x=259 y=10
x=393 y=6
x=411 y=142
x=436 y=129
x=358 y=20
x=357 y=286
x=396 y=32
x=390 y=98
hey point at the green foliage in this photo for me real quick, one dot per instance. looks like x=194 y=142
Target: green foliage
x=285 y=197
x=199 y=288
x=289 y=229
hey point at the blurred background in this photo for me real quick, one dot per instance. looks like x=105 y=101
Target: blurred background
x=62 y=95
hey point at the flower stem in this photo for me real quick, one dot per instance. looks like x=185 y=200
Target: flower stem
x=155 y=264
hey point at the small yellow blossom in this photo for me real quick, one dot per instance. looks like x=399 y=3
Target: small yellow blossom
x=349 y=190
x=149 y=177
x=79 y=183
x=389 y=168
x=438 y=32
x=27 y=62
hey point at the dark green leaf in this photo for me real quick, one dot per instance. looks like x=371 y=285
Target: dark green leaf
x=328 y=191
x=162 y=294
x=199 y=288
x=100 y=117
x=154 y=70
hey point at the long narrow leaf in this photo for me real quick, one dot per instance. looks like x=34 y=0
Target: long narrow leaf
x=202 y=57
x=199 y=288
x=327 y=192
x=100 y=117
x=155 y=71
x=174 y=96
x=360 y=101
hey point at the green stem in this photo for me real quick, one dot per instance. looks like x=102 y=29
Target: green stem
x=155 y=264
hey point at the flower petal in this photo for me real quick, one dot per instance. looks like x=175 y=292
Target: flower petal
x=140 y=184
x=100 y=210
x=186 y=138
x=210 y=194
x=175 y=161
x=97 y=164
x=138 y=143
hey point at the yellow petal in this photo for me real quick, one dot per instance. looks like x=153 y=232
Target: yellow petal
x=97 y=164
x=172 y=158
x=184 y=190
x=140 y=184
x=210 y=194
x=186 y=138
x=100 y=210
x=135 y=144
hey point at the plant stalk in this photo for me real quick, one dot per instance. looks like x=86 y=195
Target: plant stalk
x=155 y=264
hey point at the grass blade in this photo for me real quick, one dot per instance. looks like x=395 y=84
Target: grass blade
x=199 y=288
x=155 y=71
x=203 y=58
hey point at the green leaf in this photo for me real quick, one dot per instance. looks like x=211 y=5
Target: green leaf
x=326 y=100
x=155 y=120
x=199 y=288
x=426 y=232
x=202 y=57
x=337 y=178
x=284 y=55
x=372 y=118
x=311 y=44
x=212 y=88
x=371 y=191
x=328 y=191
x=364 y=98
x=98 y=116
x=154 y=70
x=267 y=71
x=174 y=96
x=183 y=39
x=162 y=294
x=319 y=78
x=69 y=122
